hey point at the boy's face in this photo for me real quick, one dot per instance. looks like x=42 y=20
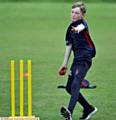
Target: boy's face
x=76 y=14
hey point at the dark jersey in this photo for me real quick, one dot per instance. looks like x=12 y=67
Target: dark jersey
x=82 y=44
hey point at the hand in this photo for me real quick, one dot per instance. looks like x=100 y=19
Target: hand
x=62 y=70
x=74 y=29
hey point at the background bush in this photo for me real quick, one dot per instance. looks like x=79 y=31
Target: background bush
x=56 y=0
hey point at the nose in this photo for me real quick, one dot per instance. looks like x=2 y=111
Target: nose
x=73 y=14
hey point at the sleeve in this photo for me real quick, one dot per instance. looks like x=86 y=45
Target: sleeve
x=68 y=38
x=85 y=24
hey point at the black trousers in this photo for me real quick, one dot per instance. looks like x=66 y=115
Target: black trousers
x=78 y=72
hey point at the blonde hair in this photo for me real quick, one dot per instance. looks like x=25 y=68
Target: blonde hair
x=81 y=5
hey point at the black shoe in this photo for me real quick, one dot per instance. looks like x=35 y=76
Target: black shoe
x=87 y=114
x=65 y=113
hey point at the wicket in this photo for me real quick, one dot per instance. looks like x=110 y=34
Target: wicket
x=29 y=77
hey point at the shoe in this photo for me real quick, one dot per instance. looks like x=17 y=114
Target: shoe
x=65 y=113
x=87 y=114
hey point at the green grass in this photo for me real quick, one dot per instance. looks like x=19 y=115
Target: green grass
x=36 y=31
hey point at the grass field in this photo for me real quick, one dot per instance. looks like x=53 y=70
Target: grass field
x=36 y=31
